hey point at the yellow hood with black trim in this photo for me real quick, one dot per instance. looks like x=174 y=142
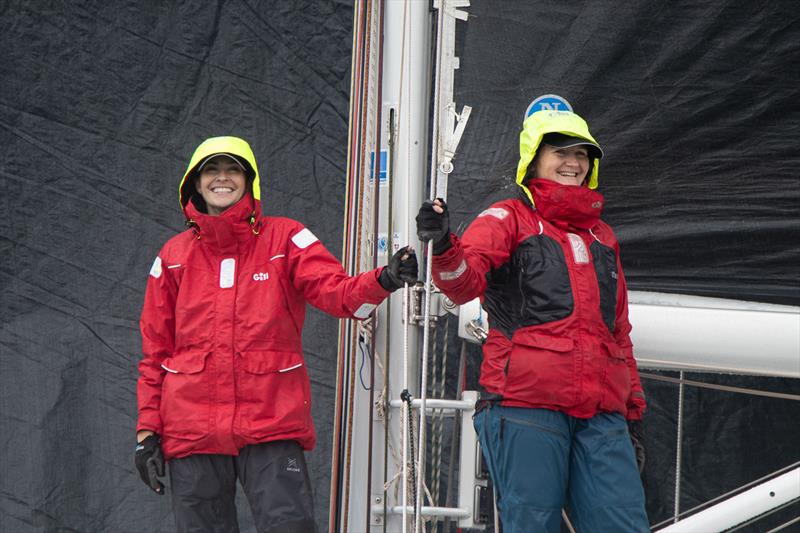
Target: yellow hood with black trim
x=219 y=145
x=548 y=121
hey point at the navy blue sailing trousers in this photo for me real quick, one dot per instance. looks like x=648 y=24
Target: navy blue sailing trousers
x=542 y=461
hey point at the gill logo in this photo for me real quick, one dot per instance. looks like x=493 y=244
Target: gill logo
x=260 y=276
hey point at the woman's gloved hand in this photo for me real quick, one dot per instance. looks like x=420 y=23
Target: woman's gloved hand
x=636 y=431
x=150 y=462
x=433 y=224
x=402 y=269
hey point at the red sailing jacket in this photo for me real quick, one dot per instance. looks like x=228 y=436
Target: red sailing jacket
x=557 y=304
x=221 y=330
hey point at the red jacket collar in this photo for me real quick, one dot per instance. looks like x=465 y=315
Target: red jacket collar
x=566 y=206
x=225 y=231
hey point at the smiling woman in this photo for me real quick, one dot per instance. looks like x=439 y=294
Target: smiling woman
x=221 y=182
x=223 y=389
x=559 y=419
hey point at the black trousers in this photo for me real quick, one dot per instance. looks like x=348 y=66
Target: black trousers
x=274 y=478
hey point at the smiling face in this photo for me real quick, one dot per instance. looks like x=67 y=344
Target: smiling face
x=568 y=166
x=222 y=182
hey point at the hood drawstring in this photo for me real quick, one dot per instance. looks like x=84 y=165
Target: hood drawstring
x=255 y=229
x=195 y=228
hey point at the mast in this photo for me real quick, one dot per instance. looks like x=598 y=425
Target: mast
x=378 y=442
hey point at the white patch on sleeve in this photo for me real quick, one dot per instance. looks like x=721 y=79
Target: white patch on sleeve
x=579 y=251
x=496 y=212
x=304 y=238
x=156 y=269
x=227 y=273
x=364 y=310
x=450 y=276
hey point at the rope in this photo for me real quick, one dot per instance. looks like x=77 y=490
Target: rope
x=679 y=451
x=390 y=141
x=345 y=330
x=406 y=310
x=407 y=398
x=437 y=430
x=375 y=106
x=727 y=388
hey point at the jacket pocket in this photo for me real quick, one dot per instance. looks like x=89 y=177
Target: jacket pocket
x=616 y=379
x=272 y=393
x=540 y=370
x=186 y=396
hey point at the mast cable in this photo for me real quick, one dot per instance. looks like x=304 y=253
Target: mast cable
x=406 y=306
x=428 y=273
x=679 y=451
x=726 y=388
x=377 y=32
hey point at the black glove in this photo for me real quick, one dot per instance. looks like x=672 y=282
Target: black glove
x=150 y=462
x=636 y=431
x=402 y=269
x=433 y=226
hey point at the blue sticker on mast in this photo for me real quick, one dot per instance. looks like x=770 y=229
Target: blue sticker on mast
x=548 y=102
x=383 y=174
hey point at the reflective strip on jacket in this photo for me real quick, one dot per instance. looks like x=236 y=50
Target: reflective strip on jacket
x=558 y=311
x=221 y=330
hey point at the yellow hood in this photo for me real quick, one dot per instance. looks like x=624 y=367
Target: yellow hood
x=219 y=145
x=548 y=121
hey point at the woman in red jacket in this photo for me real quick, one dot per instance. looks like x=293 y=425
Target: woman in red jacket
x=558 y=371
x=223 y=391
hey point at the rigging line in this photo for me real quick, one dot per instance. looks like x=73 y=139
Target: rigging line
x=376 y=178
x=390 y=243
x=364 y=21
x=679 y=451
x=731 y=493
x=727 y=388
x=406 y=311
x=333 y=513
x=784 y=526
x=428 y=274
x=438 y=420
x=766 y=514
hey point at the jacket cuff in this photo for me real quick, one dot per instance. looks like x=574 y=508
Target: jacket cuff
x=146 y=423
x=442 y=246
x=376 y=278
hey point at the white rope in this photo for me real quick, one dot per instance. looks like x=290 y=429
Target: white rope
x=404 y=64
x=428 y=275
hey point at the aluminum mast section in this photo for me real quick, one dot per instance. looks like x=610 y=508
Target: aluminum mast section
x=386 y=490
x=404 y=126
